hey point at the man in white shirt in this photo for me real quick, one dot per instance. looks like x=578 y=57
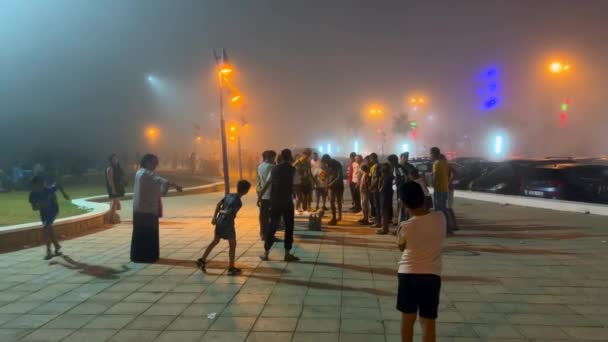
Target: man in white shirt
x=421 y=240
x=148 y=189
x=264 y=170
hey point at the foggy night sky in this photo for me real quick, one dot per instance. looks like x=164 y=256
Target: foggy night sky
x=73 y=73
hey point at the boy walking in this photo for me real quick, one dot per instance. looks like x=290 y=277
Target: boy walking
x=421 y=240
x=43 y=199
x=223 y=220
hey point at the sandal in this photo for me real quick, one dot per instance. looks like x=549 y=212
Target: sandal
x=291 y=257
x=234 y=271
x=201 y=265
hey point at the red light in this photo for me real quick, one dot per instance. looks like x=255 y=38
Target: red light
x=562 y=119
x=567 y=101
x=414 y=133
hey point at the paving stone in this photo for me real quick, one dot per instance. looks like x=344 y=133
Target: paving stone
x=155 y=322
x=542 y=331
x=69 y=321
x=315 y=337
x=127 y=308
x=318 y=325
x=224 y=336
x=10 y=335
x=233 y=324
x=362 y=337
x=28 y=321
x=586 y=333
x=361 y=326
x=166 y=309
x=269 y=336
x=279 y=310
x=180 y=336
x=496 y=331
x=135 y=336
x=47 y=335
x=243 y=310
x=190 y=323
x=275 y=324
x=110 y=321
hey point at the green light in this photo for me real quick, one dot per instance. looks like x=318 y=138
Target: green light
x=564 y=107
x=413 y=124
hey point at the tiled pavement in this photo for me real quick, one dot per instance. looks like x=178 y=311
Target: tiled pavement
x=511 y=274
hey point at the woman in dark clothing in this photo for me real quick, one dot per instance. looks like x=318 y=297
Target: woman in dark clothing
x=115 y=184
x=147 y=209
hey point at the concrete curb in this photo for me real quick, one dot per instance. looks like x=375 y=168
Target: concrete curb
x=542 y=203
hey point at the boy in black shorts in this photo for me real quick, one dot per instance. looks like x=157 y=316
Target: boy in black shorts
x=223 y=220
x=421 y=240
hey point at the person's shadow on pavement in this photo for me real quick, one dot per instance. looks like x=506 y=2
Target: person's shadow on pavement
x=97 y=271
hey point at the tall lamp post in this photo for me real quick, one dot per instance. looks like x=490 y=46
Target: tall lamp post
x=235 y=135
x=224 y=69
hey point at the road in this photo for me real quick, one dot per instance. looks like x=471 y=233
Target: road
x=510 y=274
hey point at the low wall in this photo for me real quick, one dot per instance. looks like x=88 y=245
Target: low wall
x=30 y=234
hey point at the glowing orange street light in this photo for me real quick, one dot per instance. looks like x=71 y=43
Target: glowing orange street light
x=375 y=111
x=151 y=132
x=199 y=138
x=419 y=100
x=226 y=70
x=558 y=67
x=235 y=99
x=232 y=128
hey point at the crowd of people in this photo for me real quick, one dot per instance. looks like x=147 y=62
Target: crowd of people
x=376 y=188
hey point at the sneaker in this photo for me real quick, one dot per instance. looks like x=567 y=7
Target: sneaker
x=48 y=256
x=381 y=232
x=364 y=223
x=264 y=257
x=58 y=251
x=332 y=222
x=376 y=225
x=234 y=271
x=200 y=263
x=291 y=257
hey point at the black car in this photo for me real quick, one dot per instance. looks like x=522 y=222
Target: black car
x=470 y=171
x=571 y=182
x=507 y=177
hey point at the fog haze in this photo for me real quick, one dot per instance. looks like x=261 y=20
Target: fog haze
x=73 y=74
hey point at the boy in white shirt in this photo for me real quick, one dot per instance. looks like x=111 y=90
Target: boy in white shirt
x=421 y=240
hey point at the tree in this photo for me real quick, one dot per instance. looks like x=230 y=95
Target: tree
x=401 y=124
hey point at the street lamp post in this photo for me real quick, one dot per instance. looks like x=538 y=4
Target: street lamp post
x=223 y=70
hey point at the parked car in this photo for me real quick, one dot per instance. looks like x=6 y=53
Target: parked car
x=468 y=172
x=568 y=181
x=507 y=177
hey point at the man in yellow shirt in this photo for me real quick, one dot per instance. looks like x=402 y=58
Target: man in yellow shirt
x=441 y=176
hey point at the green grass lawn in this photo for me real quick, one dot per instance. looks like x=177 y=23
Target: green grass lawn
x=15 y=208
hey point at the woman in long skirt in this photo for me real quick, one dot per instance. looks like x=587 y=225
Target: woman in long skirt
x=147 y=209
